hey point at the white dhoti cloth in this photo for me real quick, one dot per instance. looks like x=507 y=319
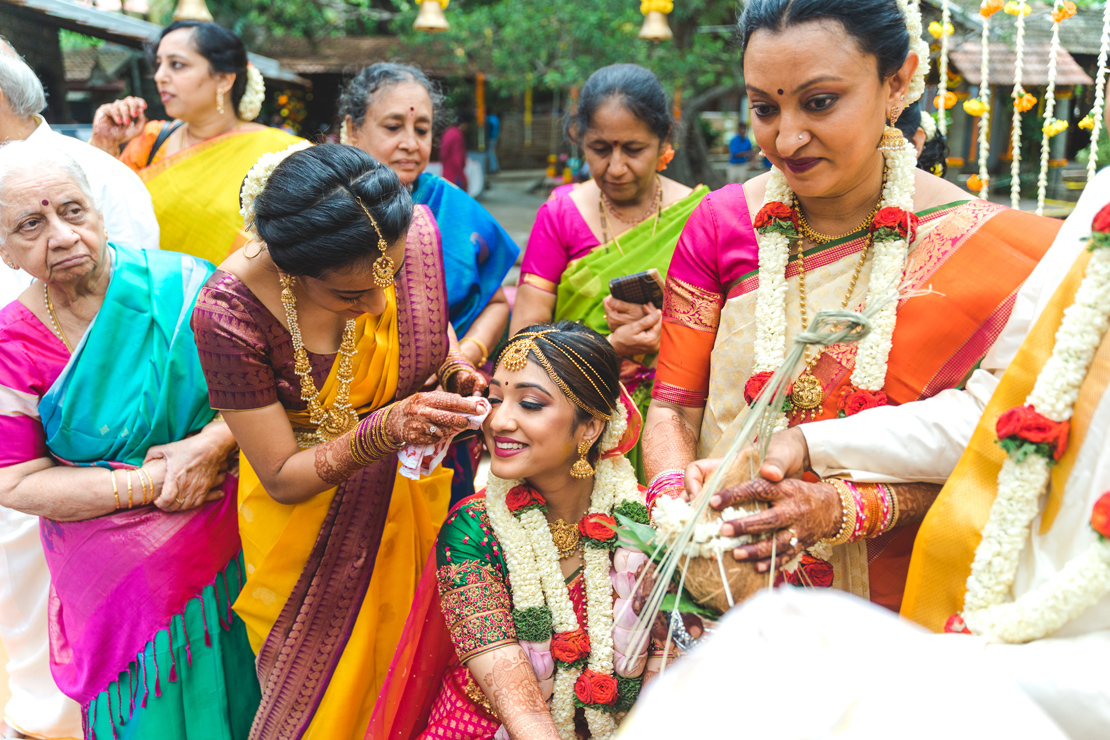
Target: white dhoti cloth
x=37 y=708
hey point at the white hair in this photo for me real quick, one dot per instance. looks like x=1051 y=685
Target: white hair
x=21 y=86
x=22 y=156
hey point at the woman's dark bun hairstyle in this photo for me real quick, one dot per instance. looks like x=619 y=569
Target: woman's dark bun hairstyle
x=358 y=94
x=223 y=50
x=934 y=154
x=637 y=89
x=878 y=26
x=309 y=217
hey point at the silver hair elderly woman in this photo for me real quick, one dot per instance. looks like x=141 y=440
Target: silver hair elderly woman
x=125 y=202
x=110 y=439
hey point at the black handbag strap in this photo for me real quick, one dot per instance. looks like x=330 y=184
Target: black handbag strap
x=164 y=134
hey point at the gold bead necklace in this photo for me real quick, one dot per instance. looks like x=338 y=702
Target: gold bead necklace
x=54 y=322
x=341 y=417
x=818 y=238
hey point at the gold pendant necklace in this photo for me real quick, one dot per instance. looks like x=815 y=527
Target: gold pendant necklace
x=565 y=536
x=341 y=418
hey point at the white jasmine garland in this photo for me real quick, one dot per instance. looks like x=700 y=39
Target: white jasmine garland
x=942 y=90
x=1015 y=121
x=536 y=578
x=250 y=105
x=985 y=98
x=1085 y=579
x=912 y=12
x=1049 y=112
x=1100 y=93
x=928 y=125
x=255 y=181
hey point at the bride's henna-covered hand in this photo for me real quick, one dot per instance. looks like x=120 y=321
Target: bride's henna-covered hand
x=809 y=512
x=660 y=626
x=428 y=418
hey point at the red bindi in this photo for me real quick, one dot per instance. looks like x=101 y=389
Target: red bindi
x=616 y=143
x=45 y=202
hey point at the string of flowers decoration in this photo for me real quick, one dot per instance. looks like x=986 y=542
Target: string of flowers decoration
x=942 y=31
x=1034 y=437
x=1023 y=101
x=1099 y=109
x=580 y=663
x=1052 y=126
x=983 y=103
x=255 y=182
x=250 y=105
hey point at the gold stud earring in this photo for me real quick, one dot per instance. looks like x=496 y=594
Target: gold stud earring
x=10 y=264
x=220 y=101
x=582 y=468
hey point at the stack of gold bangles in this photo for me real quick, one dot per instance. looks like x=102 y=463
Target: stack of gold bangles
x=481 y=348
x=456 y=361
x=145 y=481
x=369 y=441
x=869 y=509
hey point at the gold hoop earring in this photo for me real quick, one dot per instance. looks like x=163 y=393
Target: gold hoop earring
x=582 y=468
x=220 y=101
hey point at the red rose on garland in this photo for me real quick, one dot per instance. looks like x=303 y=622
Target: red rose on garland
x=1100 y=228
x=595 y=688
x=755 y=385
x=773 y=213
x=1100 y=515
x=898 y=220
x=856 y=400
x=570 y=647
x=600 y=527
x=522 y=498
x=1026 y=424
x=811 y=572
x=956 y=625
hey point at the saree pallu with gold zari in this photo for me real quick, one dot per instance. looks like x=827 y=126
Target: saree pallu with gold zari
x=330 y=580
x=969 y=259
x=196 y=190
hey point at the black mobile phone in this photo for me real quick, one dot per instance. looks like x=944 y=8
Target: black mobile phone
x=640 y=287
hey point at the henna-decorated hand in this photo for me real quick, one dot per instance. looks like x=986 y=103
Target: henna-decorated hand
x=427 y=418
x=660 y=626
x=467 y=382
x=809 y=512
x=117 y=123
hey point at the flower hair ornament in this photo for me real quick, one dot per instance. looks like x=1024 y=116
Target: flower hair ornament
x=256 y=179
x=250 y=105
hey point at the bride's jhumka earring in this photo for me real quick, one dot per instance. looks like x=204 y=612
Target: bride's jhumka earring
x=892 y=140
x=582 y=468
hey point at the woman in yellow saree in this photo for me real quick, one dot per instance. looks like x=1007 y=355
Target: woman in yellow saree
x=194 y=165
x=334 y=538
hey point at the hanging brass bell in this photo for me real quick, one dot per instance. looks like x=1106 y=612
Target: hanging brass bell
x=192 y=10
x=431 y=18
x=655 y=27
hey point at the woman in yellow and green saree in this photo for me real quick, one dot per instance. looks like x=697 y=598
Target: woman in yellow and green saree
x=626 y=220
x=194 y=165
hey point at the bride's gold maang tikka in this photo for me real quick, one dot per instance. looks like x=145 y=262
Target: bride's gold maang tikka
x=384 y=266
x=515 y=356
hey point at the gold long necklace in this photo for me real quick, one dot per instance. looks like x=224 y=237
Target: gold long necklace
x=808 y=394
x=604 y=207
x=341 y=417
x=57 y=325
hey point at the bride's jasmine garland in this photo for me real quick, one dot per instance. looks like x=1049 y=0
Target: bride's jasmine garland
x=892 y=232
x=542 y=609
x=1034 y=437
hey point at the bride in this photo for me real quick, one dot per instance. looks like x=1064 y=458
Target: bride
x=522 y=634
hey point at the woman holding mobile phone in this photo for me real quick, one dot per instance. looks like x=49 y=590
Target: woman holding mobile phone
x=625 y=220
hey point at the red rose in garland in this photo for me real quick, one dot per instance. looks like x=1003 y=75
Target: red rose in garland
x=595 y=688
x=569 y=647
x=775 y=213
x=600 y=527
x=520 y=499
x=1100 y=515
x=1100 y=228
x=897 y=220
x=755 y=385
x=811 y=572
x=857 y=400
x=956 y=625
x=1026 y=424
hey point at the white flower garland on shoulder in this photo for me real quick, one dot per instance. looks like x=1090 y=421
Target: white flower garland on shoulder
x=1024 y=477
x=255 y=182
x=537 y=580
x=250 y=105
x=888 y=262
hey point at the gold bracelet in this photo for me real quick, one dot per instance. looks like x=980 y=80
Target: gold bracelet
x=115 y=489
x=481 y=348
x=451 y=372
x=143 y=472
x=130 y=497
x=893 y=507
x=848 y=506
